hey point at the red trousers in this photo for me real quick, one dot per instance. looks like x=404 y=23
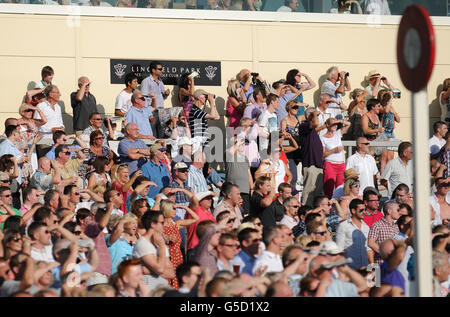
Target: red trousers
x=333 y=176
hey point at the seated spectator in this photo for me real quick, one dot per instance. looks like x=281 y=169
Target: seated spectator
x=8 y=146
x=290 y=218
x=141 y=188
x=371 y=199
x=252 y=5
x=141 y=116
x=95 y=124
x=155 y=170
x=83 y=102
x=250 y=240
x=392 y=252
x=176 y=129
x=236 y=104
x=227 y=249
x=41 y=242
x=68 y=167
x=439 y=203
x=347 y=7
x=61 y=138
x=336 y=90
x=123 y=100
x=100 y=176
x=122 y=183
x=232 y=197
x=275 y=167
x=289 y=6
x=295 y=263
x=263 y=195
x=300 y=228
x=196 y=180
x=271 y=257
x=437 y=141
x=378 y=7
x=152 y=251
x=441 y=272
x=133 y=151
x=318 y=231
x=131 y=275
x=399 y=170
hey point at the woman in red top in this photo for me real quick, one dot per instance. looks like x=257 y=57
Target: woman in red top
x=122 y=183
x=172 y=235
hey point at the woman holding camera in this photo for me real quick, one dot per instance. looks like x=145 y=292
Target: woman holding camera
x=333 y=153
x=236 y=103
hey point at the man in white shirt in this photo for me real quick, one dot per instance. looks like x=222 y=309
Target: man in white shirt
x=271 y=257
x=437 y=141
x=352 y=235
x=52 y=111
x=291 y=205
x=268 y=123
x=364 y=164
x=289 y=6
x=41 y=242
x=123 y=100
x=399 y=170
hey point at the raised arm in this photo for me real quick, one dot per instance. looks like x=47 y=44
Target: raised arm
x=187 y=222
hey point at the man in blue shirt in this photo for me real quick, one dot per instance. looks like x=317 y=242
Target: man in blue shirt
x=8 y=146
x=156 y=171
x=250 y=239
x=141 y=115
x=132 y=151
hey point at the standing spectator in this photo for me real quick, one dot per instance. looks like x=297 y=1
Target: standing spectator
x=399 y=170
x=131 y=275
x=141 y=116
x=238 y=172
x=123 y=100
x=196 y=180
x=254 y=110
x=155 y=170
x=83 y=104
x=282 y=90
x=47 y=74
x=378 y=7
x=335 y=90
x=312 y=157
x=364 y=164
x=268 y=123
x=249 y=132
x=94 y=230
x=41 y=242
x=133 y=151
x=232 y=197
x=441 y=272
x=437 y=141
x=236 y=104
x=324 y=113
x=334 y=165
x=271 y=257
x=250 y=240
x=172 y=235
x=370 y=122
x=384 y=229
x=352 y=235
x=371 y=199
x=153 y=87
x=122 y=183
x=204 y=213
x=52 y=112
x=251 y=81
x=95 y=124
x=30 y=196
x=263 y=195
x=186 y=89
x=294 y=78
x=444 y=101
x=198 y=119
x=274 y=213
x=356 y=109
x=291 y=206
x=374 y=79
x=152 y=251
x=388 y=118
x=276 y=166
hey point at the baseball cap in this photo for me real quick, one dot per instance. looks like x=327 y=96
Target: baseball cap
x=180 y=165
x=157 y=146
x=199 y=92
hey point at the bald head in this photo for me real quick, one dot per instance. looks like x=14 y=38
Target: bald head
x=44 y=164
x=386 y=249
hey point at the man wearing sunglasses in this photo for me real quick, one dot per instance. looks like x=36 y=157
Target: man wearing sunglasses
x=141 y=116
x=95 y=124
x=6 y=207
x=364 y=164
x=153 y=87
x=41 y=242
x=69 y=167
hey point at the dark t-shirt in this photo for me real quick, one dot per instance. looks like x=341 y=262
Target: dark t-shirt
x=312 y=149
x=255 y=205
x=272 y=214
x=82 y=110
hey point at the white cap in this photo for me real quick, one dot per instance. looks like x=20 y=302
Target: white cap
x=203 y=195
x=330 y=247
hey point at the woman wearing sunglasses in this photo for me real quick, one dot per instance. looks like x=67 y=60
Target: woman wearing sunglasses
x=351 y=191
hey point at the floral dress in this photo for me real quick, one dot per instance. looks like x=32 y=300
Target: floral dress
x=187 y=103
x=176 y=257
x=24 y=144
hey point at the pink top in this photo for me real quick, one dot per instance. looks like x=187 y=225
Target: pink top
x=234 y=115
x=192 y=236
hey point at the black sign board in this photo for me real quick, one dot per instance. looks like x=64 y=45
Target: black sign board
x=209 y=73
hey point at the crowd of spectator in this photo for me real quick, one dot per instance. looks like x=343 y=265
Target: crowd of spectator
x=289 y=213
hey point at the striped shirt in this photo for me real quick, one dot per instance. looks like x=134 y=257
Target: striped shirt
x=196 y=180
x=198 y=124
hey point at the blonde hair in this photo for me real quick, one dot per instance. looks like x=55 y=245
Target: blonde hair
x=129 y=218
x=232 y=87
x=303 y=240
x=348 y=184
x=290 y=105
x=115 y=170
x=166 y=208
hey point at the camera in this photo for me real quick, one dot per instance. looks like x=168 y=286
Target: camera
x=346 y=75
x=206 y=97
x=396 y=93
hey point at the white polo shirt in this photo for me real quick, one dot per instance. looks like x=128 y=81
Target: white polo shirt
x=366 y=167
x=435 y=144
x=54 y=118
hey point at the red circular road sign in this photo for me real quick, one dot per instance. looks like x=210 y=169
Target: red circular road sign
x=415 y=48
